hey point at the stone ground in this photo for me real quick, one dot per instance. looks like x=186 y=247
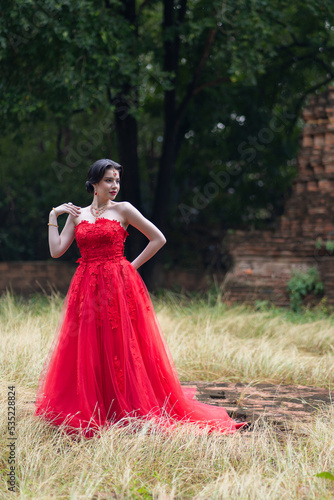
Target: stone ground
x=282 y=405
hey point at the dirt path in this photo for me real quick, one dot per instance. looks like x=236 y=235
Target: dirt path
x=279 y=404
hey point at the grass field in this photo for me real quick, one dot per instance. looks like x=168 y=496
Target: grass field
x=209 y=341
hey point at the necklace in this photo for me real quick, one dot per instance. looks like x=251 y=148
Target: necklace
x=98 y=212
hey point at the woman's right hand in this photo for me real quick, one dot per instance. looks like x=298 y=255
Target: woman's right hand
x=67 y=208
x=59 y=243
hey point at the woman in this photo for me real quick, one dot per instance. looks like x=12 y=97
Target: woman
x=109 y=360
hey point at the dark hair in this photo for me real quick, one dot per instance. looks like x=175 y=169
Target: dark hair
x=97 y=171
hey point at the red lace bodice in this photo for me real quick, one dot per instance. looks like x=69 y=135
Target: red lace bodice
x=102 y=240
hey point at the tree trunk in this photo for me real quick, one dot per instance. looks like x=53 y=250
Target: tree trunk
x=154 y=268
x=127 y=140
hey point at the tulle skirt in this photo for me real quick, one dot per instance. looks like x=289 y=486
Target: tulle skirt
x=109 y=361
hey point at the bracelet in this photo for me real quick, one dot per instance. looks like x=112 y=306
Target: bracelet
x=52 y=224
x=53 y=208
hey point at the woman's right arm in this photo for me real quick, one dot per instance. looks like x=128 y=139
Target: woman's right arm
x=59 y=243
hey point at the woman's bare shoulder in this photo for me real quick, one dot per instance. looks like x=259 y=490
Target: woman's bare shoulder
x=83 y=215
x=123 y=203
x=126 y=207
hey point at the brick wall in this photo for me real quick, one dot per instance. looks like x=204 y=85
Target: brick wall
x=46 y=276
x=263 y=260
x=29 y=277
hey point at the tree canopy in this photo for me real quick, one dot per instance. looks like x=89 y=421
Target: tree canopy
x=199 y=100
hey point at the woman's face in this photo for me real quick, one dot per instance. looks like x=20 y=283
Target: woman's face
x=109 y=185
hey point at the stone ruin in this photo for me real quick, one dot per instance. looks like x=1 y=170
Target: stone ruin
x=263 y=260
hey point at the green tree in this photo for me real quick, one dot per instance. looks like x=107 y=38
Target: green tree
x=196 y=91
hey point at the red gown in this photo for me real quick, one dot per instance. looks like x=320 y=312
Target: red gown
x=109 y=360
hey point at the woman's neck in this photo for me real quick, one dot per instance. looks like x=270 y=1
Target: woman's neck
x=98 y=204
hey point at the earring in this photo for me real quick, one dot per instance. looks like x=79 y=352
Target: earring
x=95 y=193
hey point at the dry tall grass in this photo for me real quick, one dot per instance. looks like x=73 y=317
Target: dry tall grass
x=208 y=342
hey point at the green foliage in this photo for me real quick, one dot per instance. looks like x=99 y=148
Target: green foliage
x=318 y=243
x=59 y=56
x=302 y=283
x=325 y=308
x=263 y=305
x=326 y=475
x=330 y=246
x=256 y=95
x=239 y=124
x=32 y=183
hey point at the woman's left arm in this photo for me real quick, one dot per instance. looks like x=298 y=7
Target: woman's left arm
x=157 y=239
